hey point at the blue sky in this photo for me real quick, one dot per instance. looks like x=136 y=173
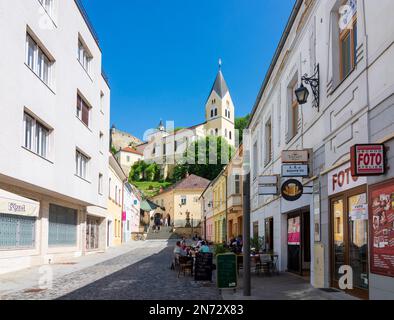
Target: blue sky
x=161 y=56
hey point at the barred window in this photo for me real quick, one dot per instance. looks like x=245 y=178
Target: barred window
x=17 y=232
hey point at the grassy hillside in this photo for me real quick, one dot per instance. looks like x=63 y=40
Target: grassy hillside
x=150 y=189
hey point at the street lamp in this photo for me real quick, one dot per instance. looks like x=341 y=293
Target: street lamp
x=302 y=93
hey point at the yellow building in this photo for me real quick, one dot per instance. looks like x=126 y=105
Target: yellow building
x=234 y=195
x=219 y=187
x=115 y=199
x=180 y=202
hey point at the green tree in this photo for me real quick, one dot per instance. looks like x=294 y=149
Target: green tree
x=205 y=158
x=137 y=171
x=113 y=150
x=241 y=123
x=152 y=172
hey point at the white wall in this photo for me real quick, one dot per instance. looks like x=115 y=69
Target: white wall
x=56 y=106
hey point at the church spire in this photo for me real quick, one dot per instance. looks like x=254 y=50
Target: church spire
x=220 y=86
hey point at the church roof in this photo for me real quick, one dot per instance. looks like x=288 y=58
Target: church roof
x=220 y=86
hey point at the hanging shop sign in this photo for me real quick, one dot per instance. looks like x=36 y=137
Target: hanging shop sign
x=295 y=170
x=381 y=217
x=341 y=179
x=292 y=190
x=295 y=156
x=268 y=185
x=368 y=159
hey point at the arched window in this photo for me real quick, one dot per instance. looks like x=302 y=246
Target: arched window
x=228 y=114
x=216 y=131
x=216 y=112
x=116 y=193
x=230 y=135
x=225 y=112
x=212 y=113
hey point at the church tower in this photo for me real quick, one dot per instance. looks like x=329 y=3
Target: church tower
x=219 y=110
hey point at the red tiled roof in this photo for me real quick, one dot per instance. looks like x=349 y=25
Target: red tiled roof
x=132 y=150
x=192 y=182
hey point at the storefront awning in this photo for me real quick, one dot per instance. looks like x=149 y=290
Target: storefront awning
x=14 y=204
x=147 y=205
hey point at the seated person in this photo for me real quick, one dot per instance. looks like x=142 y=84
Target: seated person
x=204 y=248
x=178 y=250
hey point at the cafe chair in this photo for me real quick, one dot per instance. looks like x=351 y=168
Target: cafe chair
x=185 y=264
x=266 y=263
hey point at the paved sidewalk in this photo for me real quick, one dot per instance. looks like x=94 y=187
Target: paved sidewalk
x=286 y=286
x=25 y=284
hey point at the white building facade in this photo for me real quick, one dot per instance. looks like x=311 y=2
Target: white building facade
x=131 y=212
x=54 y=129
x=351 y=44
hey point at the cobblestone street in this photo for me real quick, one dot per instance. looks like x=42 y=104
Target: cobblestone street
x=142 y=273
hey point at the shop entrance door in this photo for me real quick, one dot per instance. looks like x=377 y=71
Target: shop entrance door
x=92 y=233
x=269 y=234
x=298 y=243
x=349 y=240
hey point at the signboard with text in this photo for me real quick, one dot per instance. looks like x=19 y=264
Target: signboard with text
x=341 y=179
x=368 y=159
x=295 y=170
x=381 y=222
x=295 y=156
x=227 y=276
x=268 y=185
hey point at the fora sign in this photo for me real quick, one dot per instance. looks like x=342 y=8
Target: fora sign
x=368 y=159
x=341 y=179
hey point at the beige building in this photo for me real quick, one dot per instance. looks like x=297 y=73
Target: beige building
x=115 y=200
x=180 y=203
x=127 y=157
x=166 y=146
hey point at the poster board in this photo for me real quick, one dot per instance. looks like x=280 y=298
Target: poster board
x=381 y=224
x=203 y=267
x=227 y=271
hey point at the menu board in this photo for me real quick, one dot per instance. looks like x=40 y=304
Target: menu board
x=227 y=271
x=381 y=200
x=203 y=267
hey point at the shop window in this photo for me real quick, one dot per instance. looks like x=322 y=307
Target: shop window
x=17 y=232
x=62 y=226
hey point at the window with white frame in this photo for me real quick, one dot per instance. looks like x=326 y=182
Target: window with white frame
x=100 y=184
x=38 y=61
x=183 y=200
x=83 y=110
x=81 y=165
x=101 y=137
x=84 y=56
x=102 y=102
x=48 y=5
x=36 y=136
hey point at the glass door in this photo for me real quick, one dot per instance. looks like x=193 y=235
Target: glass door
x=294 y=244
x=338 y=234
x=358 y=239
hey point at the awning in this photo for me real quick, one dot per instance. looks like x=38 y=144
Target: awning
x=147 y=205
x=14 y=204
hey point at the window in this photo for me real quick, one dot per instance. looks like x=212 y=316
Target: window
x=237 y=183
x=294 y=111
x=212 y=113
x=38 y=61
x=183 y=200
x=62 y=226
x=164 y=149
x=36 y=136
x=230 y=135
x=229 y=114
x=48 y=6
x=109 y=188
x=84 y=56
x=102 y=102
x=100 y=184
x=175 y=146
x=17 y=232
x=255 y=160
x=101 y=137
x=268 y=142
x=116 y=194
x=216 y=131
x=128 y=158
x=348 y=40
x=216 y=112
x=83 y=110
x=225 y=112
x=81 y=165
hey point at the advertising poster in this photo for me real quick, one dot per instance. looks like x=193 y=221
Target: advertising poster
x=293 y=233
x=382 y=228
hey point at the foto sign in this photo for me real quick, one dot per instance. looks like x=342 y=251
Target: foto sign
x=295 y=170
x=295 y=156
x=368 y=160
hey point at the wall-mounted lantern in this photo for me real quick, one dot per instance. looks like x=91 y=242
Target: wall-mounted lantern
x=302 y=93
